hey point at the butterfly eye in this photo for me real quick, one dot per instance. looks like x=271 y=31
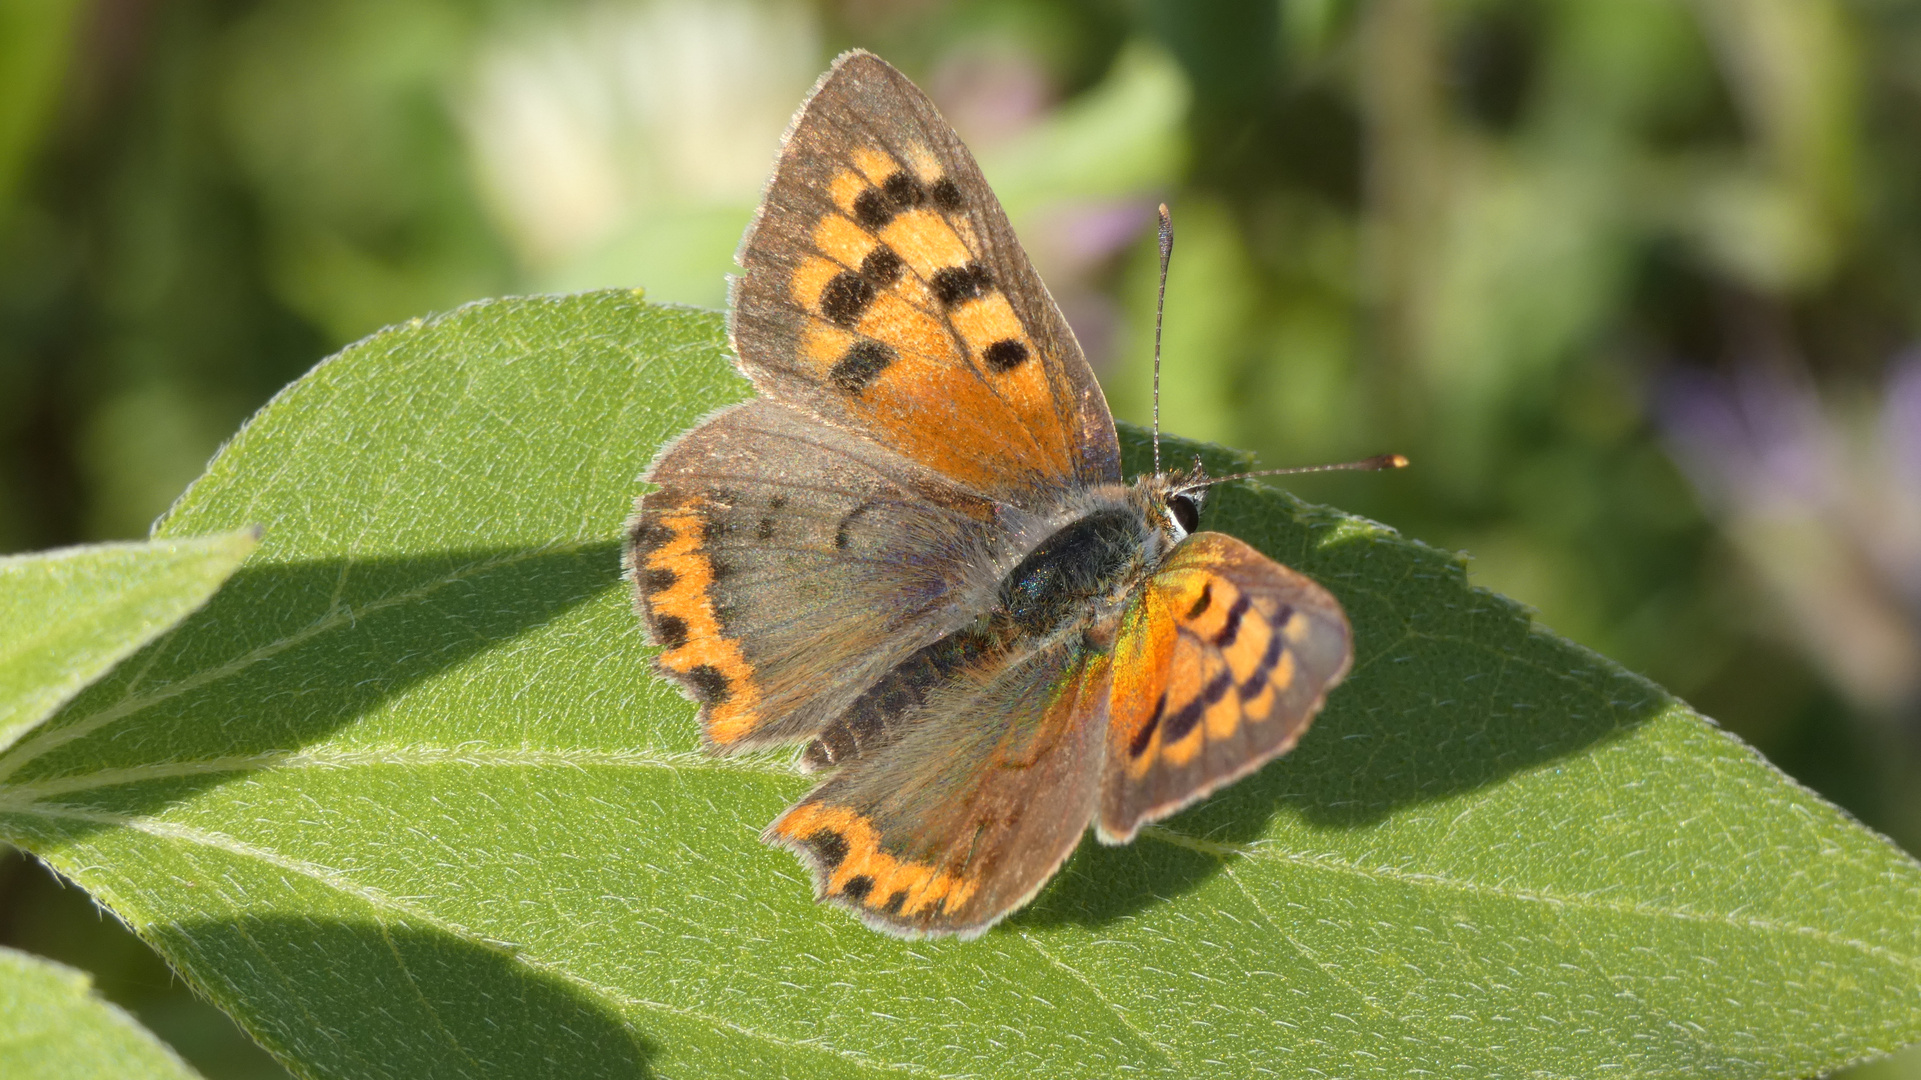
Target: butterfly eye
x=1186 y=514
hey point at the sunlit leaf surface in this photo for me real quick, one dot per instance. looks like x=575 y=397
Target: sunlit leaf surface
x=405 y=799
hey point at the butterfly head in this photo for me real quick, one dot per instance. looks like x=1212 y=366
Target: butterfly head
x=1181 y=495
x=1172 y=501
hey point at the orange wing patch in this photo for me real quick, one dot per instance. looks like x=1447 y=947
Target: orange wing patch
x=844 y=244
x=874 y=164
x=1203 y=657
x=925 y=241
x=849 y=864
x=915 y=332
x=675 y=578
x=906 y=328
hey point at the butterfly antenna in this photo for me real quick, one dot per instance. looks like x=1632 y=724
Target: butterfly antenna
x=1373 y=464
x=1160 y=306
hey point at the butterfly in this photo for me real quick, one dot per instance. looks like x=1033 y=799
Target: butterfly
x=914 y=551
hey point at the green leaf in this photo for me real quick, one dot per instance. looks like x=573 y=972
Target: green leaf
x=53 y=1026
x=67 y=616
x=406 y=801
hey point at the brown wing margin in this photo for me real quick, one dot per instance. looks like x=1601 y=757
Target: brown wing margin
x=885 y=293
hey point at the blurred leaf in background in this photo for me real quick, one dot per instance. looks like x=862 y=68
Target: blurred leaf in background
x=340 y=120
x=1635 y=284
x=629 y=143
x=53 y=1026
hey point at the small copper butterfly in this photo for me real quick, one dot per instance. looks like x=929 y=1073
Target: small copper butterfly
x=914 y=550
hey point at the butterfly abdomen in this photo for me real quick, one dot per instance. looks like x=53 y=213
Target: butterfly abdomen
x=875 y=717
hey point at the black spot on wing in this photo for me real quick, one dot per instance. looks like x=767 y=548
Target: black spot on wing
x=1257 y=681
x=872 y=210
x=1201 y=604
x=1146 y=733
x=843 y=534
x=647 y=535
x=1006 y=354
x=903 y=190
x=709 y=684
x=876 y=206
x=670 y=632
x=1231 y=629
x=846 y=297
x=829 y=847
x=955 y=285
x=895 y=900
x=658 y=579
x=946 y=195
x=861 y=364
x=1190 y=714
x=764 y=530
x=858 y=887
x=881 y=266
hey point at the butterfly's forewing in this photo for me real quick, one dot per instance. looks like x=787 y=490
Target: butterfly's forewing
x=784 y=566
x=1219 y=666
x=884 y=292
x=971 y=809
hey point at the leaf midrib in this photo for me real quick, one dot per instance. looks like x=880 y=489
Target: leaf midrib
x=423 y=756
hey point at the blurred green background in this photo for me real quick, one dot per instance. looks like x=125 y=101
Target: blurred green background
x=1636 y=283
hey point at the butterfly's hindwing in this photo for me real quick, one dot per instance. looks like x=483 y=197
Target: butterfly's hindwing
x=1219 y=667
x=884 y=292
x=784 y=566
x=965 y=815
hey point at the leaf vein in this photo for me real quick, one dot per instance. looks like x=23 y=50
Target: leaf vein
x=25 y=796
x=1534 y=896
x=1331 y=973
x=1119 y=1015
x=48 y=739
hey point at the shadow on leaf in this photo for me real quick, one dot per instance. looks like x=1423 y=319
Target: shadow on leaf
x=1453 y=690
x=389 y=999
x=285 y=656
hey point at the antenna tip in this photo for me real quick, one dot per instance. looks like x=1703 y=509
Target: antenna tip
x=1391 y=461
x=1164 y=213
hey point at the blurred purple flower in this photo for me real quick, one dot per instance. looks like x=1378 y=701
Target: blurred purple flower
x=991 y=93
x=1828 y=515
x=1756 y=440
x=1082 y=234
x=1901 y=419
x=1898 y=546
